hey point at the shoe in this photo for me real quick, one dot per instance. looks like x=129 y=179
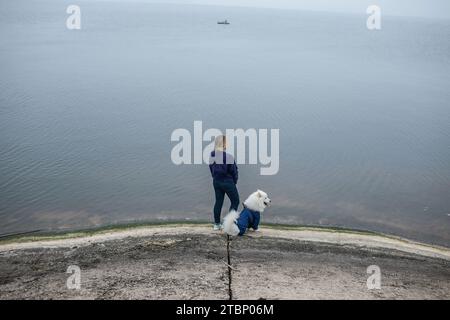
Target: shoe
x=217 y=226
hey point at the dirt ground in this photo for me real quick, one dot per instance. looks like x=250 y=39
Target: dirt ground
x=191 y=263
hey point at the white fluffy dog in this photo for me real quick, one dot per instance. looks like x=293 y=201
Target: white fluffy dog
x=236 y=223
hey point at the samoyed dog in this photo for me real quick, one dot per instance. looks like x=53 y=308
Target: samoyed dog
x=236 y=223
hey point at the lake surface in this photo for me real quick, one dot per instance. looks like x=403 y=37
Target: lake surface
x=86 y=116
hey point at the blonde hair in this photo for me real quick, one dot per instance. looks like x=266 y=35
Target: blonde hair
x=220 y=143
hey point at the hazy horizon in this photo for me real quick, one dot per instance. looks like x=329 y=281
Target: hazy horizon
x=439 y=9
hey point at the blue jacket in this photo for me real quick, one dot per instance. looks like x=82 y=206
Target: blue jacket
x=223 y=167
x=248 y=219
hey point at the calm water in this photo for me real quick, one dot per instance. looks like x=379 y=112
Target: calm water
x=86 y=116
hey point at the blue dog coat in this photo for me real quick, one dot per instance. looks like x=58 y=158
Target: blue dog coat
x=248 y=219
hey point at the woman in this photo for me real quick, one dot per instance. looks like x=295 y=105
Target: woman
x=225 y=175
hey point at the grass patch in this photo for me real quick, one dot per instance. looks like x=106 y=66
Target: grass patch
x=280 y=226
x=87 y=232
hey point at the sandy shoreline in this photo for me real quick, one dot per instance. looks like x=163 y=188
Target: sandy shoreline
x=301 y=233
x=189 y=262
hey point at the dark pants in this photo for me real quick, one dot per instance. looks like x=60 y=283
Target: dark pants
x=220 y=188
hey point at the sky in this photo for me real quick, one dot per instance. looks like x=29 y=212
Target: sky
x=420 y=8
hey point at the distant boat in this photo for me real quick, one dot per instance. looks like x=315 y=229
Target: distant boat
x=223 y=22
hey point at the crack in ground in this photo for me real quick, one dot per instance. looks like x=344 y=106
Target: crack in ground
x=230 y=291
